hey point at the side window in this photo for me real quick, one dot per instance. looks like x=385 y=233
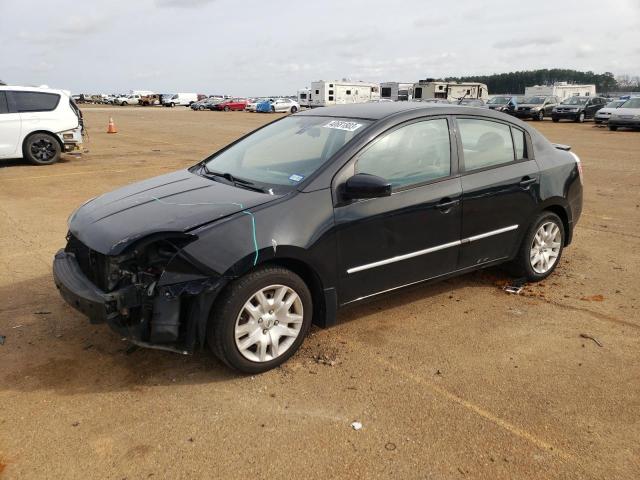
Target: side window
x=416 y=153
x=4 y=108
x=485 y=143
x=519 y=143
x=35 y=101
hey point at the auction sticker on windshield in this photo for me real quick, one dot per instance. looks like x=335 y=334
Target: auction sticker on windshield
x=342 y=125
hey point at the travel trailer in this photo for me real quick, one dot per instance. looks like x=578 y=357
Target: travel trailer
x=562 y=90
x=335 y=92
x=304 y=97
x=396 y=91
x=449 y=90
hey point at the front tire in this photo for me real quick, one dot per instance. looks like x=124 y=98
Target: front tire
x=41 y=149
x=555 y=120
x=613 y=128
x=540 y=116
x=294 y=109
x=226 y=109
x=580 y=118
x=541 y=248
x=260 y=320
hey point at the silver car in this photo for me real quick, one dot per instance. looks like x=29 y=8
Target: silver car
x=602 y=116
x=627 y=115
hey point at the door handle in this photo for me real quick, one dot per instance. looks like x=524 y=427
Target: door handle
x=445 y=204
x=526 y=182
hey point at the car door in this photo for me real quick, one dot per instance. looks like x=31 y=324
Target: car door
x=413 y=234
x=10 y=129
x=500 y=185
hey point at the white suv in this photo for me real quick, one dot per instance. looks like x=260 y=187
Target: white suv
x=38 y=124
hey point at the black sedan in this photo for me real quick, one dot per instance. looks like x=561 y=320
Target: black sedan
x=317 y=210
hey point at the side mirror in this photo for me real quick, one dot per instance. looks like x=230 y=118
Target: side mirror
x=363 y=185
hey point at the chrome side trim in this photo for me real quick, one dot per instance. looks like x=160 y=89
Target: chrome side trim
x=406 y=256
x=473 y=267
x=489 y=234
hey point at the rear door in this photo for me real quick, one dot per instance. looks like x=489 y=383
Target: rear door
x=10 y=129
x=500 y=188
x=412 y=235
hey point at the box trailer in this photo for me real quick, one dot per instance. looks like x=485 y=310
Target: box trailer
x=449 y=90
x=335 y=92
x=562 y=90
x=396 y=91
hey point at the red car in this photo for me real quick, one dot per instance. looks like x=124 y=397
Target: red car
x=233 y=104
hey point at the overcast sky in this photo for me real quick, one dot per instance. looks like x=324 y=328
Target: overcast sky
x=267 y=47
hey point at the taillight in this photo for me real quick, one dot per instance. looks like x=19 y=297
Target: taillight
x=579 y=164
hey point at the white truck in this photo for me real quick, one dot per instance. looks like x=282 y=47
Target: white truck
x=396 y=91
x=562 y=90
x=38 y=124
x=340 y=92
x=449 y=90
x=179 y=99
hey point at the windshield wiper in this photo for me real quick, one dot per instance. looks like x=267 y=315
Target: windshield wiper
x=238 y=182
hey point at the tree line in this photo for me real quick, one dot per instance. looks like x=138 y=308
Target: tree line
x=515 y=82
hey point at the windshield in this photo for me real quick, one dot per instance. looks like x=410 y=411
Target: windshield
x=633 y=103
x=614 y=104
x=287 y=151
x=532 y=100
x=499 y=100
x=574 y=101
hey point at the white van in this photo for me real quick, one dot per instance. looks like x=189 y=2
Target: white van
x=38 y=124
x=184 y=99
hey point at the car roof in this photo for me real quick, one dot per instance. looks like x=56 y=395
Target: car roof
x=34 y=89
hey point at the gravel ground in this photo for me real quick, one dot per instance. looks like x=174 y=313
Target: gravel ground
x=452 y=380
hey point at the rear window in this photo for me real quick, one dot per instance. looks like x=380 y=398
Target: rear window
x=35 y=101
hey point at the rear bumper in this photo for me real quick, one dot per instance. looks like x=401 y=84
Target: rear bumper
x=71 y=139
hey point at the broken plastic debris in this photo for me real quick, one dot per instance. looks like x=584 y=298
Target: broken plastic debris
x=2 y=338
x=515 y=289
x=356 y=426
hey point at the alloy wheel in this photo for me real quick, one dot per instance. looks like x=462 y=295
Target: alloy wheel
x=43 y=150
x=269 y=323
x=545 y=247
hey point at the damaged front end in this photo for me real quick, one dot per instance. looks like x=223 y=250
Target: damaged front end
x=153 y=294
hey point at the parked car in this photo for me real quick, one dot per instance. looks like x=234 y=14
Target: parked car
x=127 y=100
x=264 y=106
x=179 y=99
x=577 y=109
x=232 y=104
x=536 y=107
x=471 y=102
x=312 y=212
x=211 y=104
x=285 y=105
x=252 y=104
x=627 y=115
x=38 y=124
x=506 y=104
x=149 y=100
x=602 y=115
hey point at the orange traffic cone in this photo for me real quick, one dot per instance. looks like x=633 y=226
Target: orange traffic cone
x=112 y=126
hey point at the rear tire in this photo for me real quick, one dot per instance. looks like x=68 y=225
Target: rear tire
x=580 y=118
x=226 y=109
x=294 y=109
x=232 y=328
x=540 y=116
x=41 y=149
x=541 y=248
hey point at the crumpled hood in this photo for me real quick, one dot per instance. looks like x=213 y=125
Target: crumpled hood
x=176 y=202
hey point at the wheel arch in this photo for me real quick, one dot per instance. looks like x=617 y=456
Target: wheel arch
x=562 y=212
x=47 y=132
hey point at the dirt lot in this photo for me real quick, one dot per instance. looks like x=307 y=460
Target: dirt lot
x=453 y=380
